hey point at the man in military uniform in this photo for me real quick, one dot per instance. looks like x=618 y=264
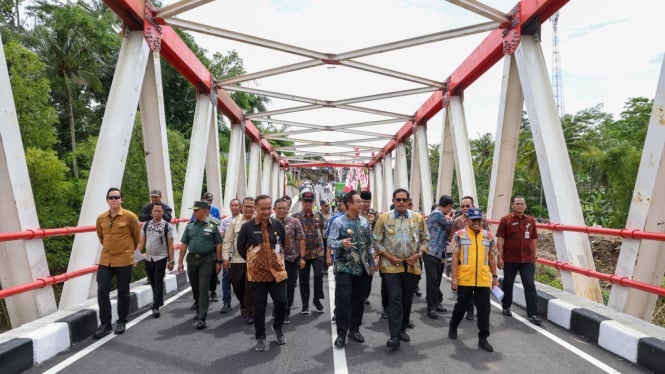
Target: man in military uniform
x=204 y=242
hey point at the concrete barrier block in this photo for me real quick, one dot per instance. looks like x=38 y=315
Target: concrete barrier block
x=619 y=339
x=650 y=353
x=586 y=323
x=559 y=312
x=16 y=356
x=82 y=324
x=542 y=300
x=518 y=295
x=48 y=341
x=143 y=296
x=170 y=283
x=114 y=311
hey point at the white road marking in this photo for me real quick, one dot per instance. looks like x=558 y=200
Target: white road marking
x=89 y=349
x=339 y=355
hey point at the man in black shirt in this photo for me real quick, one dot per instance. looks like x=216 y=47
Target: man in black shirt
x=146 y=212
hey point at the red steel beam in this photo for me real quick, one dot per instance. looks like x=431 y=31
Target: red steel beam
x=178 y=54
x=488 y=53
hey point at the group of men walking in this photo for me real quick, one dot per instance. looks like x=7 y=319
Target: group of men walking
x=262 y=251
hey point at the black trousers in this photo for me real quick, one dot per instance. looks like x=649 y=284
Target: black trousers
x=292 y=273
x=317 y=265
x=401 y=288
x=260 y=291
x=199 y=268
x=155 y=271
x=527 y=273
x=434 y=275
x=238 y=277
x=350 y=291
x=481 y=298
x=105 y=275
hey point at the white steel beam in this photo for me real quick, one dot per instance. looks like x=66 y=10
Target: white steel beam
x=380 y=197
x=153 y=120
x=197 y=156
x=563 y=203
x=213 y=167
x=265 y=177
x=282 y=181
x=415 y=187
x=482 y=10
x=391 y=73
x=444 y=183
x=294 y=109
x=21 y=261
x=373 y=188
x=242 y=171
x=108 y=164
x=388 y=177
x=274 y=181
x=401 y=168
x=644 y=260
x=180 y=7
x=270 y=72
x=233 y=163
x=462 y=149
x=254 y=179
x=423 y=164
x=511 y=103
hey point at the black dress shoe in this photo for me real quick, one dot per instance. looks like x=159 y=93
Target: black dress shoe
x=249 y=321
x=535 y=320
x=356 y=336
x=213 y=297
x=339 y=342
x=155 y=313
x=225 y=308
x=393 y=343
x=470 y=316
x=485 y=345
x=506 y=312
x=102 y=331
x=410 y=324
x=419 y=292
x=119 y=328
x=440 y=308
x=194 y=306
x=452 y=333
x=433 y=314
x=200 y=324
x=403 y=336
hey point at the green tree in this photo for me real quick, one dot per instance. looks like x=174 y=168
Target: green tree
x=74 y=40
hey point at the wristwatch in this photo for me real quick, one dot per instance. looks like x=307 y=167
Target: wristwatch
x=494 y=276
x=220 y=261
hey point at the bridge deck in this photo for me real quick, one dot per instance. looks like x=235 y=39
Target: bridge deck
x=171 y=344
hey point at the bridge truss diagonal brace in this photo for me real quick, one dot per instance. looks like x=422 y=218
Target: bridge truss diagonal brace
x=563 y=201
x=213 y=167
x=196 y=160
x=235 y=170
x=462 y=150
x=380 y=196
x=444 y=184
x=153 y=121
x=265 y=177
x=254 y=178
x=421 y=182
x=108 y=164
x=401 y=170
x=644 y=260
x=21 y=261
x=388 y=178
x=502 y=178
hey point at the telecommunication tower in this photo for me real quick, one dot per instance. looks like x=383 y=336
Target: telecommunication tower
x=557 y=82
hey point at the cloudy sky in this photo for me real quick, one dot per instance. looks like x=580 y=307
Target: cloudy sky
x=610 y=51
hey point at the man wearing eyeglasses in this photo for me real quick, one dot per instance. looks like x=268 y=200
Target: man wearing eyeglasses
x=516 y=242
x=400 y=237
x=354 y=265
x=119 y=232
x=473 y=275
x=460 y=223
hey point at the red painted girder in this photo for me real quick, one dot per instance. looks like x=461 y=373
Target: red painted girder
x=488 y=53
x=325 y=164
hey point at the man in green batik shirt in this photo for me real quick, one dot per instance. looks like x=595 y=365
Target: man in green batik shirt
x=354 y=264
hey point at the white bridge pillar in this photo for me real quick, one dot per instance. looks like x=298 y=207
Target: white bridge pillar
x=21 y=261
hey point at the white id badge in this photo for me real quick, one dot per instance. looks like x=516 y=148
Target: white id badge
x=526 y=235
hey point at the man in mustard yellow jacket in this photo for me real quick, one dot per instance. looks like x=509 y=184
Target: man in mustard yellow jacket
x=400 y=236
x=473 y=275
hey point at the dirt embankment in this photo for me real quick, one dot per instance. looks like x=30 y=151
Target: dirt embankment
x=605 y=250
